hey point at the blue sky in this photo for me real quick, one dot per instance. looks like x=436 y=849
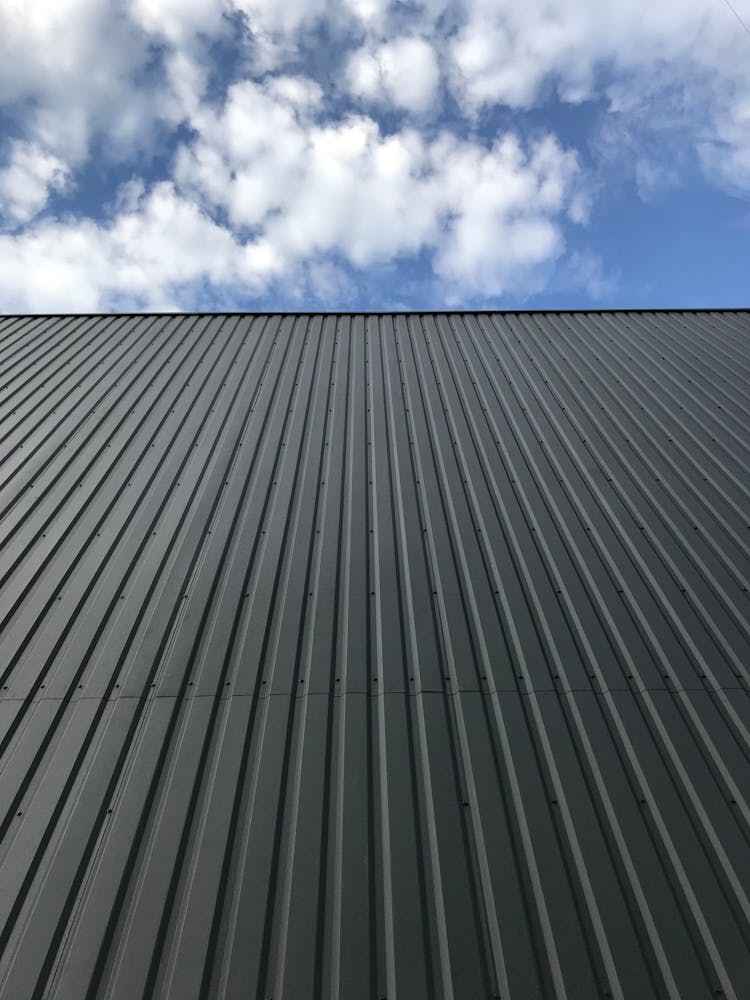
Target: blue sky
x=294 y=154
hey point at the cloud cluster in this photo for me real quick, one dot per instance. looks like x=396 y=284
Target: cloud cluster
x=311 y=188
x=294 y=191
x=680 y=68
x=273 y=138
x=507 y=52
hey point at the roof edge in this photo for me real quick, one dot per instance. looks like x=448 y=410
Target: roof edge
x=387 y=312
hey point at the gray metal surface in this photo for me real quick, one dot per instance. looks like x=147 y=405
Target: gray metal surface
x=354 y=656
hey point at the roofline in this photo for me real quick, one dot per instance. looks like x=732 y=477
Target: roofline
x=385 y=312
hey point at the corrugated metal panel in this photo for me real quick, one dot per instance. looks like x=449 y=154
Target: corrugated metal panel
x=375 y=656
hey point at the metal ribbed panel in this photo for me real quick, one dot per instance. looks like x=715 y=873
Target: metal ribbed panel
x=375 y=656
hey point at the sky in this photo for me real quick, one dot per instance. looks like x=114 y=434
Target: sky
x=366 y=154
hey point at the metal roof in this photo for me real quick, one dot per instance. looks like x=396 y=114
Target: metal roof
x=390 y=655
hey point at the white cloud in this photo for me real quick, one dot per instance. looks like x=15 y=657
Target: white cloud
x=281 y=15
x=727 y=154
x=504 y=205
x=26 y=182
x=186 y=86
x=404 y=71
x=687 y=54
x=178 y=21
x=73 y=64
x=505 y=52
x=587 y=271
x=368 y=11
x=156 y=246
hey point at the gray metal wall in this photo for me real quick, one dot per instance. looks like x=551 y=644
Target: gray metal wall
x=375 y=656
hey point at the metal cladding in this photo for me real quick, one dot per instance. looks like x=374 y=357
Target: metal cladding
x=375 y=656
